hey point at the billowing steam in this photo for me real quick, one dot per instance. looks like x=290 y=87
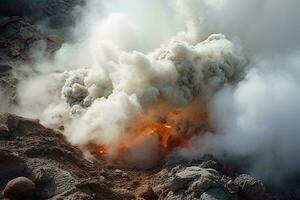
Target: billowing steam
x=258 y=117
x=131 y=56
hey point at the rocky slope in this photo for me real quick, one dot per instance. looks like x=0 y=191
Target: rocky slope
x=23 y=35
x=55 y=13
x=38 y=163
x=29 y=26
x=19 y=37
x=56 y=169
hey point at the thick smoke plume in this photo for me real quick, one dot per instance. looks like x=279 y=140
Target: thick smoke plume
x=257 y=118
x=124 y=62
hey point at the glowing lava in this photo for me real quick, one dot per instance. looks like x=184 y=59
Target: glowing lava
x=165 y=124
x=102 y=149
x=162 y=130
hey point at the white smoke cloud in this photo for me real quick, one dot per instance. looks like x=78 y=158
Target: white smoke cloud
x=264 y=27
x=257 y=117
x=104 y=121
x=104 y=84
x=102 y=102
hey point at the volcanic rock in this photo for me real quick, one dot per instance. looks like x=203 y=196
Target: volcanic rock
x=57 y=182
x=211 y=164
x=5 y=69
x=178 y=196
x=58 y=169
x=20 y=187
x=8 y=82
x=79 y=196
x=41 y=175
x=250 y=188
x=147 y=193
x=19 y=36
x=4 y=131
x=58 y=13
x=125 y=194
x=215 y=194
x=19 y=126
x=12 y=165
x=194 y=181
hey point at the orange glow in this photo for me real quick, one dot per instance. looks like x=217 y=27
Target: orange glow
x=162 y=121
x=102 y=149
x=162 y=130
x=201 y=116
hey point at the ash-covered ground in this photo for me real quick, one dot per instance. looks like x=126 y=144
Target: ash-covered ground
x=161 y=100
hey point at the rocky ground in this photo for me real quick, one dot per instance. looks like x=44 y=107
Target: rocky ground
x=19 y=37
x=57 y=15
x=24 y=36
x=38 y=163
x=30 y=26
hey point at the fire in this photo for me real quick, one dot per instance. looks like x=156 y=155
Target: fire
x=164 y=131
x=102 y=149
x=162 y=122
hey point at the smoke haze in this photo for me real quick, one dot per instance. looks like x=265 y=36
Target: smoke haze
x=242 y=57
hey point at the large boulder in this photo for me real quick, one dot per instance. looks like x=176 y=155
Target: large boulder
x=250 y=188
x=194 y=181
x=19 y=126
x=52 y=181
x=213 y=164
x=20 y=187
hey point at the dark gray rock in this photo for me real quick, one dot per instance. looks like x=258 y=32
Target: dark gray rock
x=41 y=175
x=37 y=10
x=12 y=165
x=19 y=126
x=211 y=164
x=215 y=194
x=194 y=181
x=176 y=196
x=250 y=188
x=19 y=38
x=20 y=187
x=8 y=84
x=4 y=131
x=53 y=181
x=5 y=69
